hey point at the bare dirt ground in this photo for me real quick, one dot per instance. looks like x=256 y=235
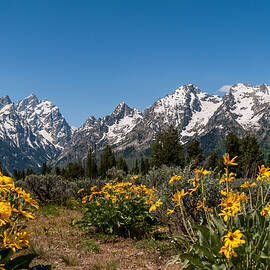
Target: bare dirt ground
x=64 y=246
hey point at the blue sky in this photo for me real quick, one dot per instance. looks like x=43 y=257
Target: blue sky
x=88 y=56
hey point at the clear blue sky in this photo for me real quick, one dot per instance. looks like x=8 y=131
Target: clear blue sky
x=88 y=56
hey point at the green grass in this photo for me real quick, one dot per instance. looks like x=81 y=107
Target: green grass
x=69 y=260
x=105 y=266
x=152 y=244
x=90 y=245
x=49 y=210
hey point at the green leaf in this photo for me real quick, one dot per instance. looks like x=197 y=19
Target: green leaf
x=219 y=267
x=20 y=262
x=205 y=252
x=193 y=259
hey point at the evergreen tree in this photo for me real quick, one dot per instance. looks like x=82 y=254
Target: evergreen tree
x=251 y=156
x=268 y=161
x=212 y=161
x=57 y=171
x=146 y=165
x=22 y=175
x=135 y=170
x=73 y=170
x=15 y=174
x=232 y=145
x=142 y=169
x=29 y=172
x=45 y=169
x=194 y=153
x=121 y=164
x=167 y=149
x=107 y=160
x=91 y=165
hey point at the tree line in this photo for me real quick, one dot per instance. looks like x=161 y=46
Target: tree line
x=166 y=150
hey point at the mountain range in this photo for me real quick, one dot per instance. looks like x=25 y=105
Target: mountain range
x=34 y=131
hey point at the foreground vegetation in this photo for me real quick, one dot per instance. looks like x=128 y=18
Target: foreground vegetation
x=177 y=211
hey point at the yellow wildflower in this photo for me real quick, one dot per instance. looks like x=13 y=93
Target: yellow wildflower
x=179 y=195
x=174 y=178
x=199 y=205
x=170 y=211
x=231 y=240
x=228 y=252
x=248 y=185
x=134 y=177
x=80 y=190
x=84 y=199
x=231 y=205
x=265 y=210
x=227 y=177
x=227 y=160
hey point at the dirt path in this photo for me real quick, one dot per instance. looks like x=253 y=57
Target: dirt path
x=66 y=247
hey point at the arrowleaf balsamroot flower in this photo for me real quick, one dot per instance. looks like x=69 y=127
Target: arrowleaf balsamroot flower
x=174 y=179
x=179 y=195
x=15 y=211
x=265 y=210
x=231 y=240
x=231 y=205
x=227 y=161
x=248 y=185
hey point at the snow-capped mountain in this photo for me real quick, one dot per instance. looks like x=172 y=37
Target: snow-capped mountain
x=46 y=121
x=194 y=113
x=244 y=108
x=111 y=130
x=33 y=131
x=130 y=131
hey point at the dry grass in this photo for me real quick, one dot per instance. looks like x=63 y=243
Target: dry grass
x=67 y=247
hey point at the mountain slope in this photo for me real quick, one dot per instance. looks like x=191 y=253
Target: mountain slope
x=32 y=132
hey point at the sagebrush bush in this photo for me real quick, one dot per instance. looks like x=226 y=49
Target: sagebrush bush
x=48 y=188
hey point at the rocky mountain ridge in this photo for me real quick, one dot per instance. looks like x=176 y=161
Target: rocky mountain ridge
x=194 y=113
x=34 y=131
x=31 y=132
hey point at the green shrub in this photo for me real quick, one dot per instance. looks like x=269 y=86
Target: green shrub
x=120 y=208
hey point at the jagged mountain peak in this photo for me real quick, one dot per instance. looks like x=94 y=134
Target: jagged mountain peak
x=4 y=101
x=188 y=88
x=123 y=110
x=30 y=101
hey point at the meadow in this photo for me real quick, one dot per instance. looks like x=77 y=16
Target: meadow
x=170 y=218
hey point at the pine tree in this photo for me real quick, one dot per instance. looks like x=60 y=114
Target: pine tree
x=232 y=145
x=45 y=169
x=194 y=153
x=91 y=165
x=29 y=172
x=142 y=169
x=107 y=161
x=212 y=162
x=121 y=164
x=73 y=170
x=57 y=171
x=268 y=161
x=15 y=174
x=135 y=170
x=167 y=149
x=251 y=156
x=146 y=165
